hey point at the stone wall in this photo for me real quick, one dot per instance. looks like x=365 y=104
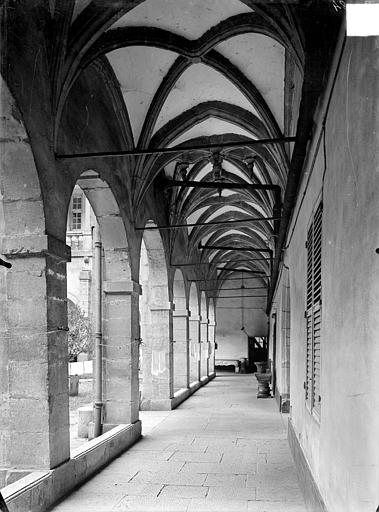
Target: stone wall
x=341 y=448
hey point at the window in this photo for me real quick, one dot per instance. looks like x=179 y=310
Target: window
x=76 y=212
x=313 y=313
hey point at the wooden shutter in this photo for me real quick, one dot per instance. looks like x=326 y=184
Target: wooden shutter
x=314 y=312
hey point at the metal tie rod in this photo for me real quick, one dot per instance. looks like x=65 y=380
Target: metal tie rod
x=212 y=223
x=245 y=278
x=215 y=262
x=239 y=297
x=227 y=248
x=247 y=271
x=239 y=288
x=183 y=149
x=220 y=184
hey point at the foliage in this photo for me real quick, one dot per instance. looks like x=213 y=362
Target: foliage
x=79 y=334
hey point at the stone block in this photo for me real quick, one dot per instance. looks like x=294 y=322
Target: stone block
x=146 y=504
x=27 y=313
x=85 y=416
x=183 y=491
x=25 y=345
x=28 y=379
x=58 y=377
x=169 y=478
x=29 y=450
x=28 y=415
x=14 y=475
x=22 y=215
x=217 y=505
x=231 y=492
x=231 y=480
x=59 y=410
x=30 y=283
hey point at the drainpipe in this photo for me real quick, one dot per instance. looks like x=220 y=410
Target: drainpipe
x=98 y=370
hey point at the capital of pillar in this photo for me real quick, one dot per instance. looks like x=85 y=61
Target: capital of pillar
x=181 y=313
x=35 y=245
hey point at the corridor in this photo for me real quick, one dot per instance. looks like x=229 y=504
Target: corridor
x=221 y=450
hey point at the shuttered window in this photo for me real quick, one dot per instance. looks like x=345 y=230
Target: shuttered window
x=314 y=313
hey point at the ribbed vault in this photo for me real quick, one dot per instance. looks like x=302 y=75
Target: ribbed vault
x=209 y=78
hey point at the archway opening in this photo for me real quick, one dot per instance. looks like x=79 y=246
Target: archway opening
x=98 y=285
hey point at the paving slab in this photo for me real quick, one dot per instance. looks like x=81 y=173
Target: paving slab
x=222 y=450
x=183 y=491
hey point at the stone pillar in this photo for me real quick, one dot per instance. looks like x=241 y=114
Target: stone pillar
x=194 y=330
x=204 y=350
x=157 y=360
x=34 y=404
x=181 y=349
x=120 y=352
x=212 y=353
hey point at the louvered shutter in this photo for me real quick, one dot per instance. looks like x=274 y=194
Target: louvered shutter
x=314 y=312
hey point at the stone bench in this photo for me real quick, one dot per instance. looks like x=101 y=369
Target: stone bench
x=229 y=362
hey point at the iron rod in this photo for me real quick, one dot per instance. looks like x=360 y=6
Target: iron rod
x=183 y=149
x=227 y=248
x=218 y=307
x=212 y=223
x=220 y=185
x=241 y=270
x=216 y=263
x=239 y=297
x=239 y=288
x=225 y=279
x=5 y=264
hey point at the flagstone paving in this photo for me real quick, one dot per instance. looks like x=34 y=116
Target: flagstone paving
x=221 y=450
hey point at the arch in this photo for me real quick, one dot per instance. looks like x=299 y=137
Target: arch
x=116 y=322
x=156 y=352
x=180 y=333
x=194 y=334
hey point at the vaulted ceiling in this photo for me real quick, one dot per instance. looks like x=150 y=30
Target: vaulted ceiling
x=210 y=77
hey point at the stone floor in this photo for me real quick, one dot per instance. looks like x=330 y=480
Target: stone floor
x=221 y=450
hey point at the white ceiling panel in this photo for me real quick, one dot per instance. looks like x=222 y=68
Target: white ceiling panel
x=198 y=84
x=261 y=59
x=188 y=18
x=140 y=70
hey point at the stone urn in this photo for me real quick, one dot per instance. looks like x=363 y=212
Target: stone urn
x=264 y=380
x=262 y=366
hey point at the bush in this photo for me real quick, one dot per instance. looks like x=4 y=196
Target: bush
x=79 y=332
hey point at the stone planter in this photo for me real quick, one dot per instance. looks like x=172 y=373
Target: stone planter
x=262 y=366
x=264 y=380
x=74 y=385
